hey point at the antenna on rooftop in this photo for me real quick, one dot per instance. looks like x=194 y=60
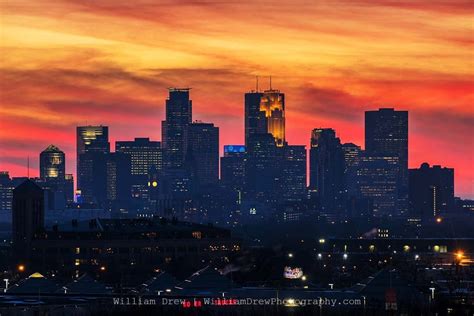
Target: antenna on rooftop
x=28 y=166
x=270 y=82
x=256 y=77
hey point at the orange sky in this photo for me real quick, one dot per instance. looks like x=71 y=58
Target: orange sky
x=67 y=63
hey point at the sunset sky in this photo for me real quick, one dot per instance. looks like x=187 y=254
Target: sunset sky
x=68 y=63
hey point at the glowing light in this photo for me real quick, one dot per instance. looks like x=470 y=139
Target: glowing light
x=322 y=241
x=102 y=268
x=439 y=220
x=154 y=184
x=290 y=255
x=459 y=255
x=21 y=268
x=303 y=278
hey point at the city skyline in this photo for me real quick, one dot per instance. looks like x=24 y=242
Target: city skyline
x=111 y=65
x=33 y=170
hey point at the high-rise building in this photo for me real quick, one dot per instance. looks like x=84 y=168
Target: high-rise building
x=377 y=181
x=262 y=169
x=52 y=164
x=386 y=135
x=327 y=172
x=27 y=216
x=352 y=154
x=6 y=191
x=92 y=143
x=265 y=113
x=232 y=167
x=144 y=155
x=118 y=180
x=294 y=173
x=203 y=146
x=431 y=190
x=53 y=177
x=175 y=127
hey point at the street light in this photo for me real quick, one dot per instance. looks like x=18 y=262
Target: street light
x=303 y=278
x=344 y=256
x=290 y=255
x=21 y=268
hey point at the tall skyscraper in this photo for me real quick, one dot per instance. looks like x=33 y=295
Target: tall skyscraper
x=232 y=167
x=144 y=155
x=203 y=145
x=92 y=144
x=377 y=180
x=262 y=169
x=352 y=153
x=175 y=127
x=118 y=180
x=294 y=173
x=431 y=190
x=386 y=135
x=327 y=172
x=265 y=113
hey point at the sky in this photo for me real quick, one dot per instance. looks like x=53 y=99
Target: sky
x=68 y=63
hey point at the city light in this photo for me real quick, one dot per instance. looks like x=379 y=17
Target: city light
x=459 y=255
x=290 y=255
x=344 y=256
x=21 y=268
x=322 y=241
x=303 y=278
x=439 y=220
x=102 y=268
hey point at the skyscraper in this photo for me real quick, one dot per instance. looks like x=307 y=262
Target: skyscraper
x=118 y=180
x=352 y=153
x=175 y=127
x=92 y=144
x=232 y=167
x=144 y=155
x=431 y=190
x=265 y=113
x=327 y=172
x=377 y=180
x=53 y=176
x=294 y=173
x=52 y=164
x=262 y=169
x=203 y=145
x=386 y=135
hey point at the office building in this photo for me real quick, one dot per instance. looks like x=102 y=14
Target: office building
x=263 y=169
x=233 y=167
x=203 y=145
x=431 y=191
x=386 y=135
x=175 y=127
x=377 y=181
x=294 y=173
x=144 y=155
x=327 y=172
x=265 y=113
x=92 y=144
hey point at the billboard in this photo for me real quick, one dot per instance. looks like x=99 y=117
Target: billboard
x=292 y=273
